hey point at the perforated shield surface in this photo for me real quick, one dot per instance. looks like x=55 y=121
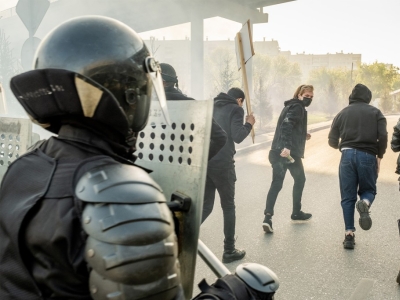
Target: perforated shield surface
x=15 y=138
x=178 y=156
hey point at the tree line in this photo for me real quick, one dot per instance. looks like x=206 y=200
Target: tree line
x=276 y=78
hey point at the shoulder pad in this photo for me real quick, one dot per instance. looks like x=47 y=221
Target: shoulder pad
x=118 y=183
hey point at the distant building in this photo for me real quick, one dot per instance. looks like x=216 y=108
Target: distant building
x=177 y=53
x=395 y=95
x=339 y=60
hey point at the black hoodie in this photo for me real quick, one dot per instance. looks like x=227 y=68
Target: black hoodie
x=359 y=125
x=229 y=115
x=291 y=130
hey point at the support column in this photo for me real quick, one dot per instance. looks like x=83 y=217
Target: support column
x=197 y=58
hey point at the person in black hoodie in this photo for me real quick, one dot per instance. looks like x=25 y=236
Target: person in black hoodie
x=221 y=176
x=395 y=145
x=286 y=152
x=218 y=135
x=359 y=131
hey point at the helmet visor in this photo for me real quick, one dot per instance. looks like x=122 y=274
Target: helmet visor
x=158 y=94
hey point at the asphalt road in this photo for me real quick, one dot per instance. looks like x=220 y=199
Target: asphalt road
x=309 y=258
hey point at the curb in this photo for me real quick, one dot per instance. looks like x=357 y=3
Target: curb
x=320 y=128
x=255 y=146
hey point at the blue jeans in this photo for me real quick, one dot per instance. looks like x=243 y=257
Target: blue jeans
x=357 y=175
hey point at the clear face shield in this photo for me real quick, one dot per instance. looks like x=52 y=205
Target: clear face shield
x=158 y=98
x=139 y=93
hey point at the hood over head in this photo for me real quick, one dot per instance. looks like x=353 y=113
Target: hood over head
x=360 y=93
x=224 y=99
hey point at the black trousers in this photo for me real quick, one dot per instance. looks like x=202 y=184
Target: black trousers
x=279 y=167
x=222 y=180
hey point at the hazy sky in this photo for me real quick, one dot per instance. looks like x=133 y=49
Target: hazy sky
x=4 y=4
x=367 y=27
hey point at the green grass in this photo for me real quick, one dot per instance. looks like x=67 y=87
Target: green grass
x=312 y=118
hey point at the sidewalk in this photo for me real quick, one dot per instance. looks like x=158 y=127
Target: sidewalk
x=265 y=139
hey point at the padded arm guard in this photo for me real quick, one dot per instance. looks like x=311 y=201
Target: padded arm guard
x=131 y=245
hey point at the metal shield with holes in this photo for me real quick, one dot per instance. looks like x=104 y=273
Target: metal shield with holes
x=177 y=154
x=15 y=138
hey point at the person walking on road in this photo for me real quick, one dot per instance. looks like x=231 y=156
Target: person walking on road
x=359 y=131
x=221 y=176
x=395 y=145
x=286 y=152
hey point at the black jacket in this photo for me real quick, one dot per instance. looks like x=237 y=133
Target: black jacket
x=49 y=263
x=395 y=143
x=218 y=135
x=172 y=93
x=360 y=125
x=229 y=115
x=291 y=129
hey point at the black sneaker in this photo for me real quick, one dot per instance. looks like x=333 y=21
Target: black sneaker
x=267 y=224
x=365 y=220
x=349 y=241
x=398 y=278
x=301 y=216
x=230 y=256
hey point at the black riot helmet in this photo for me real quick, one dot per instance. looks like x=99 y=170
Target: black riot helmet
x=113 y=69
x=168 y=73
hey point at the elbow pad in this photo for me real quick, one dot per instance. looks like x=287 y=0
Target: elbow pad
x=131 y=245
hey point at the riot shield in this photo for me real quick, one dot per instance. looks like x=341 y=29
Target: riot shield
x=178 y=155
x=15 y=138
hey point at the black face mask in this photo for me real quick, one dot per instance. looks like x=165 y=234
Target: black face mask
x=307 y=101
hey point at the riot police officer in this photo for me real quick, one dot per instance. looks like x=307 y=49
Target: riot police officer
x=78 y=219
x=218 y=136
x=77 y=201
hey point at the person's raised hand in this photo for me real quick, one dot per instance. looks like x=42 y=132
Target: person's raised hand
x=250 y=119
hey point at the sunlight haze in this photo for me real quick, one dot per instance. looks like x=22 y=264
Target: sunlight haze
x=313 y=27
